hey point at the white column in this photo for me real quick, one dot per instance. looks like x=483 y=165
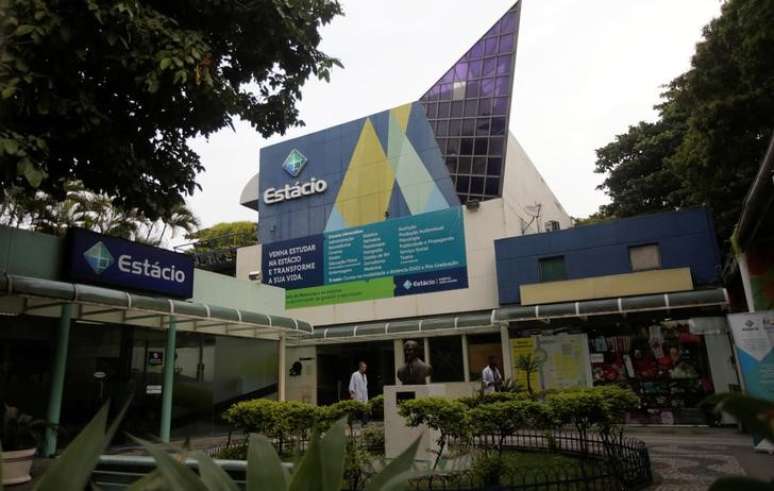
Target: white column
x=465 y=357
x=400 y=360
x=281 y=379
x=427 y=358
x=505 y=342
x=741 y=260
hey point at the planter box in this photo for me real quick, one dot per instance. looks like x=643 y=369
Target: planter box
x=17 y=465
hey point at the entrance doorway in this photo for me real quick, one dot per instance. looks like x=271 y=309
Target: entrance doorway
x=336 y=363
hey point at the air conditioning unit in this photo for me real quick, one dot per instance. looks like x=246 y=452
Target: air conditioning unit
x=553 y=226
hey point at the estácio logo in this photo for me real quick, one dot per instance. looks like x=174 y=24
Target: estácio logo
x=100 y=259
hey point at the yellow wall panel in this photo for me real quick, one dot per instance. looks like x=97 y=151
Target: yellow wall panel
x=619 y=285
x=370 y=172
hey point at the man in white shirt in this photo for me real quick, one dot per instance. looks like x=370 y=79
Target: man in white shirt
x=358 y=387
x=491 y=379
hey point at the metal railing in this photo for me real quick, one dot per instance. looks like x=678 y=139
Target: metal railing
x=599 y=463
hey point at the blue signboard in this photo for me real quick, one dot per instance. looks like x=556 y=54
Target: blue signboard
x=110 y=261
x=405 y=256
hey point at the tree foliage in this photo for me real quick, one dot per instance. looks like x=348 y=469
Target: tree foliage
x=110 y=93
x=714 y=124
x=225 y=235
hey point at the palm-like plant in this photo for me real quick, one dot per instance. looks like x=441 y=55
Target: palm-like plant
x=93 y=211
x=530 y=363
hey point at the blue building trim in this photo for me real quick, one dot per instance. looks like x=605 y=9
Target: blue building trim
x=686 y=238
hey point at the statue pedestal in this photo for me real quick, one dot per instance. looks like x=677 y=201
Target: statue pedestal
x=397 y=436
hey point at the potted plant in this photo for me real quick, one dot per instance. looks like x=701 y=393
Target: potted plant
x=19 y=435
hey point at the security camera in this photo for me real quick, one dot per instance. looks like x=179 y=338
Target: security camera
x=254 y=275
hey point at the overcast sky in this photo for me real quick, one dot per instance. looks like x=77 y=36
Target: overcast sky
x=585 y=71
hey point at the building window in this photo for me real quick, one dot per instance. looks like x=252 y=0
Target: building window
x=480 y=348
x=645 y=257
x=553 y=269
x=446 y=359
x=553 y=226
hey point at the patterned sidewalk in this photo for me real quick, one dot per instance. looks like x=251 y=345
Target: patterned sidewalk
x=691 y=459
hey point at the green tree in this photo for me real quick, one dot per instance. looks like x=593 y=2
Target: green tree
x=110 y=93
x=637 y=179
x=225 y=235
x=714 y=124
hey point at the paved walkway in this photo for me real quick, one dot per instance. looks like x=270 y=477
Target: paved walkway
x=689 y=459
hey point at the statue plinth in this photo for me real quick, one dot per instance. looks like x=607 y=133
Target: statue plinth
x=397 y=435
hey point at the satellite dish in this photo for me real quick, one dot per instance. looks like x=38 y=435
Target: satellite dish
x=533 y=210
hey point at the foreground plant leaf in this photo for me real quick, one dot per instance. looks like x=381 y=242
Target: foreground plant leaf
x=264 y=467
x=153 y=481
x=177 y=476
x=333 y=450
x=213 y=475
x=308 y=473
x=72 y=470
x=398 y=472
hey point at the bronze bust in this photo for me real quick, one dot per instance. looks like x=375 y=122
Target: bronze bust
x=415 y=371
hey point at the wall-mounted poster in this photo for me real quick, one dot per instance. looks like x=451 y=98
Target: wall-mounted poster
x=565 y=358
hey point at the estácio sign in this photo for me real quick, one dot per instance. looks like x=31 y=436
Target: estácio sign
x=110 y=261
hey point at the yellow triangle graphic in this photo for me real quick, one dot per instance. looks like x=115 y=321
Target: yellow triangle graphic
x=365 y=192
x=401 y=113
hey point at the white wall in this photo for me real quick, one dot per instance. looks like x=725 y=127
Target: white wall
x=302 y=387
x=524 y=186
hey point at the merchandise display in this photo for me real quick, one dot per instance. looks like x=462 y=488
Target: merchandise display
x=663 y=363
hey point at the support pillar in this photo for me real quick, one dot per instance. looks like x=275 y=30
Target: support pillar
x=426 y=344
x=169 y=381
x=465 y=358
x=57 y=379
x=282 y=375
x=400 y=360
x=505 y=341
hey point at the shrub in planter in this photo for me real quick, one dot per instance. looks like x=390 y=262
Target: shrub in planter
x=19 y=435
x=602 y=408
x=504 y=419
x=376 y=406
x=373 y=439
x=449 y=417
x=494 y=397
x=285 y=421
x=349 y=409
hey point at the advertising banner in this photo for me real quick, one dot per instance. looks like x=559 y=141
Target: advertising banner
x=110 y=261
x=405 y=256
x=752 y=333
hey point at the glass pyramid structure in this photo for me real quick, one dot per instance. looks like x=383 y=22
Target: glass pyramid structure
x=469 y=108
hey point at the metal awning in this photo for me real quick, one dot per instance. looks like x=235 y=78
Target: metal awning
x=36 y=296
x=491 y=320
